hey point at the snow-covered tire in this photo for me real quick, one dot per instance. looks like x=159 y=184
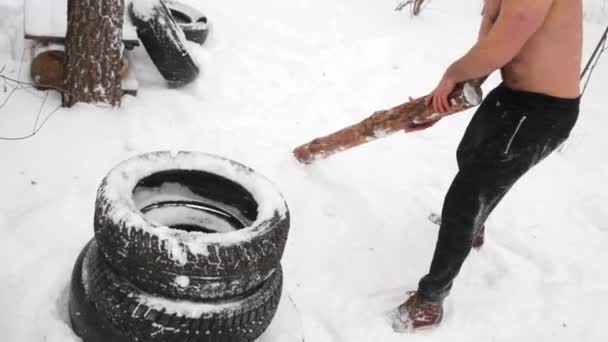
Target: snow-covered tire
x=108 y=308
x=159 y=257
x=164 y=41
x=192 y=21
x=85 y=319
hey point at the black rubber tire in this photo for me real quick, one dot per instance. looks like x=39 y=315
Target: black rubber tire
x=164 y=42
x=214 y=269
x=115 y=311
x=193 y=22
x=86 y=320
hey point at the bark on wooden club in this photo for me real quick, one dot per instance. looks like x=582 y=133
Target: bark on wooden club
x=386 y=122
x=94 y=52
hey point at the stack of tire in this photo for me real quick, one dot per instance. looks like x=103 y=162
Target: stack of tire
x=168 y=277
x=163 y=26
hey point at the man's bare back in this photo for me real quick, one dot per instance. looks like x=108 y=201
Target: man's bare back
x=550 y=61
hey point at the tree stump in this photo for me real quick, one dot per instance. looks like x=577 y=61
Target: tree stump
x=94 y=52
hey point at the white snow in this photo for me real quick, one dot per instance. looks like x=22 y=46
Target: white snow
x=182 y=281
x=38 y=48
x=286 y=325
x=399 y=322
x=145 y=9
x=471 y=95
x=276 y=74
x=184 y=308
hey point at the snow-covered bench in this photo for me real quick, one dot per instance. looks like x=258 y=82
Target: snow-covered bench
x=46 y=20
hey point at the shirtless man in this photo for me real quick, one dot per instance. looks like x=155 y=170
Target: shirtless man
x=537 y=46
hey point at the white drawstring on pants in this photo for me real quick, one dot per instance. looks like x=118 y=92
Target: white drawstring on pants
x=515 y=133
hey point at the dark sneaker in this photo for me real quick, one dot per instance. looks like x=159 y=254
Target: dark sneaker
x=479 y=238
x=417 y=314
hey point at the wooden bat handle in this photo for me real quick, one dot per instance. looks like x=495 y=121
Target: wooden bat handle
x=386 y=122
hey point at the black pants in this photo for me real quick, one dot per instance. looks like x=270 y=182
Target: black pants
x=510 y=133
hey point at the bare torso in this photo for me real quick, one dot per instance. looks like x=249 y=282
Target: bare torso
x=550 y=62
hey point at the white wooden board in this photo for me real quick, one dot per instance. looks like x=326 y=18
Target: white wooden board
x=48 y=19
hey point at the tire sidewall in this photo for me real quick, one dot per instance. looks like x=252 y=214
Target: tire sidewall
x=195 y=31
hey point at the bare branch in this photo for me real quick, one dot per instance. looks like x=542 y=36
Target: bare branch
x=416 y=5
x=31 y=84
x=8 y=98
x=40 y=111
x=36 y=130
x=16 y=85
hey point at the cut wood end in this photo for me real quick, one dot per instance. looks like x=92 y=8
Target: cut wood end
x=472 y=94
x=303 y=154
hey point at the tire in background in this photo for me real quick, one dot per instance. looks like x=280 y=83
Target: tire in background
x=164 y=41
x=193 y=22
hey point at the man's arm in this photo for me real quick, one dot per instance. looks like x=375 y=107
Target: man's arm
x=517 y=22
x=486 y=21
x=485 y=27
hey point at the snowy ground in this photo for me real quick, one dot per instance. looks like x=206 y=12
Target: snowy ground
x=274 y=75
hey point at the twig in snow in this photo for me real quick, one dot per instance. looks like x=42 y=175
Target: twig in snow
x=36 y=129
x=18 y=85
x=416 y=5
x=7 y=98
x=21 y=83
x=40 y=111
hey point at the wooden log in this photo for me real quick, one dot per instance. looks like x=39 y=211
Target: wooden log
x=386 y=122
